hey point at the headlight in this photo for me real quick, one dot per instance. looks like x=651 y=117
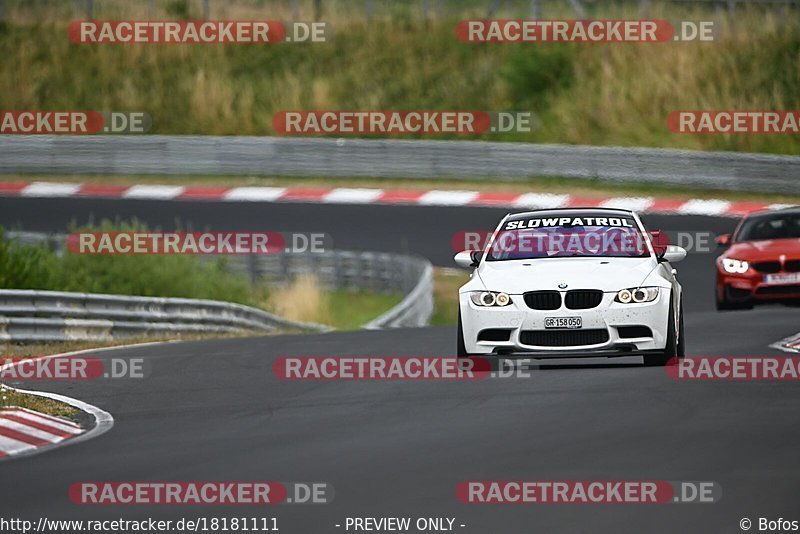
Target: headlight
x=637 y=295
x=490 y=298
x=735 y=266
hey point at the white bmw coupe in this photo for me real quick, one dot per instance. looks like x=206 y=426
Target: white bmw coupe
x=584 y=282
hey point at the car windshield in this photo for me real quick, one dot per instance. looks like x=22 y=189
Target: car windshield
x=777 y=226
x=540 y=237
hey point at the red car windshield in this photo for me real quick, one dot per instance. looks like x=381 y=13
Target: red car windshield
x=777 y=226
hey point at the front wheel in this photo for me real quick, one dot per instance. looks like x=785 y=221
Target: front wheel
x=461 y=349
x=676 y=346
x=725 y=304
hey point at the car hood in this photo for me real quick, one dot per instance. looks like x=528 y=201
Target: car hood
x=768 y=249
x=606 y=274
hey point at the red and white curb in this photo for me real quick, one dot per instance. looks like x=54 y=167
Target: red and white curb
x=344 y=195
x=24 y=431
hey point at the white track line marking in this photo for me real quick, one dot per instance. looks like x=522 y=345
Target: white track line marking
x=49 y=189
x=254 y=194
x=780 y=206
x=447 y=198
x=629 y=203
x=540 y=200
x=700 y=206
x=344 y=195
x=158 y=192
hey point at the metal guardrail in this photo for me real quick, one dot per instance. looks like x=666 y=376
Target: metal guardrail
x=278 y=156
x=378 y=272
x=415 y=309
x=40 y=316
x=374 y=271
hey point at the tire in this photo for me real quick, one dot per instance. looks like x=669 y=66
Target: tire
x=724 y=304
x=681 y=336
x=674 y=348
x=461 y=349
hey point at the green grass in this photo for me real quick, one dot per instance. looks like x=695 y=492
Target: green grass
x=38 y=267
x=10 y=397
x=605 y=94
x=351 y=310
x=445 y=295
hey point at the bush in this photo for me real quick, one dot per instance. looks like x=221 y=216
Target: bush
x=37 y=267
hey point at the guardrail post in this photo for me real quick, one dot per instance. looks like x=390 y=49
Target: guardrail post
x=644 y=9
x=385 y=275
x=732 y=15
x=536 y=10
x=493 y=7
x=284 y=268
x=580 y=13
x=252 y=268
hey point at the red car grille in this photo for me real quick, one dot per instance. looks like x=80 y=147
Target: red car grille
x=767 y=267
x=792 y=266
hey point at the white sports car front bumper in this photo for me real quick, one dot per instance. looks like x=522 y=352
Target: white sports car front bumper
x=610 y=327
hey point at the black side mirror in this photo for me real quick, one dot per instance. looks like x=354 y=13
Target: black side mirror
x=475 y=256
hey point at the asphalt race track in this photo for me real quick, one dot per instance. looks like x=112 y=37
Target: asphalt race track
x=213 y=410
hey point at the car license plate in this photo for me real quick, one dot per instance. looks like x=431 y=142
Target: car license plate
x=782 y=278
x=563 y=322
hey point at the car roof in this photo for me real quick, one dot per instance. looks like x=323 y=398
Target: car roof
x=792 y=210
x=570 y=212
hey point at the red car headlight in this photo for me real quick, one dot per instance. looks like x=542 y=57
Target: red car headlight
x=734 y=266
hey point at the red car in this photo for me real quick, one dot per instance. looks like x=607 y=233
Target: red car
x=762 y=260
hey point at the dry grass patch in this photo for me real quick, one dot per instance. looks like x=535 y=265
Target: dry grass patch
x=303 y=299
